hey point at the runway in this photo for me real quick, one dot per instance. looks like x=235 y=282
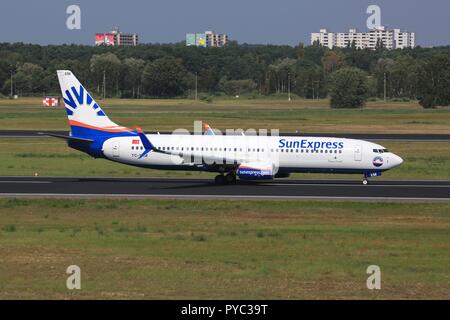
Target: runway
x=34 y=134
x=197 y=189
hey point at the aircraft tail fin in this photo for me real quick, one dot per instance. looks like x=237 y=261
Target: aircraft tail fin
x=86 y=118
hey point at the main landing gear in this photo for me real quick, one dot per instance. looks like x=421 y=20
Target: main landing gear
x=221 y=179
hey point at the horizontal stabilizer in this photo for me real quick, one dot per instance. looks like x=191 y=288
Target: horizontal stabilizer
x=60 y=136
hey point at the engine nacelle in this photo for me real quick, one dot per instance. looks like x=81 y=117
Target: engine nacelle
x=255 y=171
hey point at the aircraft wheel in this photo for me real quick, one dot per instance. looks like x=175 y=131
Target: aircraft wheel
x=365 y=182
x=220 y=179
x=230 y=178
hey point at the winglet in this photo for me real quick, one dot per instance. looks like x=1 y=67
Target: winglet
x=148 y=146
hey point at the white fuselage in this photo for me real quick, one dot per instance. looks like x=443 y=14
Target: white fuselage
x=285 y=154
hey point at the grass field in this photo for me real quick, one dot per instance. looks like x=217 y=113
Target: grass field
x=298 y=115
x=52 y=157
x=223 y=249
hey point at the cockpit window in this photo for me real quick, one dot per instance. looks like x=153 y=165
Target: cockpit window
x=380 y=150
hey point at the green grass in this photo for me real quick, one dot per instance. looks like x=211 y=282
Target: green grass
x=52 y=157
x=297 y=115
x=223 y=249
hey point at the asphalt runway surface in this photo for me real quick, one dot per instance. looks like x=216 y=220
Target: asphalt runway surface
x=30 y=134
x=280 y=189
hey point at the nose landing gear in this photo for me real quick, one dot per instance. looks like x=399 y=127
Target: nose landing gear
x=370 y=174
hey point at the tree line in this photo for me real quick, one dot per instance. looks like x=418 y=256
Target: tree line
x=347 y=76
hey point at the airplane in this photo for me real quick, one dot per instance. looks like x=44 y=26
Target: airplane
x=247 y=157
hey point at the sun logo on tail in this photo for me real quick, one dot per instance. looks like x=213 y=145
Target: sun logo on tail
x=73 y=103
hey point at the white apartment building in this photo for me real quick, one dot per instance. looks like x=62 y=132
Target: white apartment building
x=391 y=38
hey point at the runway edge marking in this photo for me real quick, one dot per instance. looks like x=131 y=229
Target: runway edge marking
x=210 y=197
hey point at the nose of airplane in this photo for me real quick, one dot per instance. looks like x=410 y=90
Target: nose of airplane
x=396 y=160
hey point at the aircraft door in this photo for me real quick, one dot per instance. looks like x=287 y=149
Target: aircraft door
x=358 y=153
x=116 y=149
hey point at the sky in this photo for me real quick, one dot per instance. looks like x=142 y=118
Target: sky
x=246 y=21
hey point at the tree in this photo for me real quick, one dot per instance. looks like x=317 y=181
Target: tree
x=309 y=68
x=165 y=77
x=333 y=60
x=348 y=88
x=208 y=79
x=309 y=82
x=382 y=71
x=107 y=64
x=281 y=74
x=237 y=87
x=133 y=69
x=380 y=45
x=28 y=79
x=403 y=77
x=434 y=82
